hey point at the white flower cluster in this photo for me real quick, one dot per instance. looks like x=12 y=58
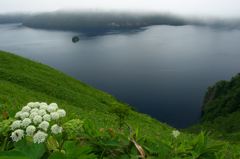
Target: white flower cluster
x=36 y=117
x=175 y=133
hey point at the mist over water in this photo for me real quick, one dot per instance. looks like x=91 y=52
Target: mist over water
x=163 y=71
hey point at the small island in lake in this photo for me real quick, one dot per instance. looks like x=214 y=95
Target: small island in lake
x=75 y=39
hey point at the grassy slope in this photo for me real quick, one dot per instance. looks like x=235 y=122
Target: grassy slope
x=23 y=81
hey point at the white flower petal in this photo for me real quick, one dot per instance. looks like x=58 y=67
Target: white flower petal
x=17 y=135
x=39 y=137
x=56 y=129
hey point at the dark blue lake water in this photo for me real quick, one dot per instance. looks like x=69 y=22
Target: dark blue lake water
x=164 y=71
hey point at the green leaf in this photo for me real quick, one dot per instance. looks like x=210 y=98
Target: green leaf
x=161 y=150
x=56 y=155
x=70 y=146
x=133 y=157
x=152 y=157
x=83 y=152
x=134 y=150
x=134 y=132
x=213 y=149
x=90 y=128
x=13 y=153
x=180 y=149
x=123 y=138
x=113 y=142
x=194 y=154
x=36 y=150
x=29 y=140
x=141 y=140
x=52 y=143
x=125 y=156
x=9 y=157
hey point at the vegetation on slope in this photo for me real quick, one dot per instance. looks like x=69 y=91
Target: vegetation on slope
x=226 y=99
x=221 y=111
x=23 y=81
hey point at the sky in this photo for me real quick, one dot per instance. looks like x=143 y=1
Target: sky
x=219 y=8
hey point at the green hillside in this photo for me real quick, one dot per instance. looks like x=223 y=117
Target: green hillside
x=23 y=81
x=221 y=107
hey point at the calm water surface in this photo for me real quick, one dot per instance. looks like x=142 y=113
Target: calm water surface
x=163 y=71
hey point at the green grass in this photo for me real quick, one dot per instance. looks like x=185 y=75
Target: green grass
x=23 y=81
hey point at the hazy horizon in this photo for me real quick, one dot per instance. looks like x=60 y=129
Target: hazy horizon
x=210 y=8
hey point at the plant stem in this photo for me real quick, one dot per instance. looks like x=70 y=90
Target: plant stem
x=103 y=152
x=45 y=145
x=61 y=146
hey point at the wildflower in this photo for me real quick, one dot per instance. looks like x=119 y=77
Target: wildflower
x=51 y=109
x=43 y=103
x=55 y=116
x=175 y=133
x=61 y=113
x=17 y=135
x=42 y=112
x=15 y=124
x=32 y=115
x=24 y=115
x=35 y=110
x=54 y=105
x=39 y=137
x=26 y=109
x=56 y=129
x=26 y=122
x=30 y=130
x=44 y=125
x=30 y=104
x=36 y=104
x=47 y=117
x=37 y=119
x=18 y=114
x=43 y=107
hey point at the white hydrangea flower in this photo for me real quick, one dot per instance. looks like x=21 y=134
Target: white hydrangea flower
x=36 y=105
x=43 y=107
x=24 y=115
x=61 y=113
x=37 y=119
x=51 y=109
x=26 y=109
x=175 y=133
x=35 y=110
x=55 y=116
x=44 y=125
x=56 y=129
x=30 y=104
x=15 y=124
x=42 y=112
x=32 y=115
x=30 y=130
x=47 y=117
x=18 y=114
x=17 y=135
x=54 y=105
x=39 y=137
x=26 y=122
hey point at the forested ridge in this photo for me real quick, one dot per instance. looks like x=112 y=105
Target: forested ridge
x=63 y=19
x=221 y=108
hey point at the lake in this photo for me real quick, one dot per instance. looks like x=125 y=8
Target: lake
x=164 y=71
